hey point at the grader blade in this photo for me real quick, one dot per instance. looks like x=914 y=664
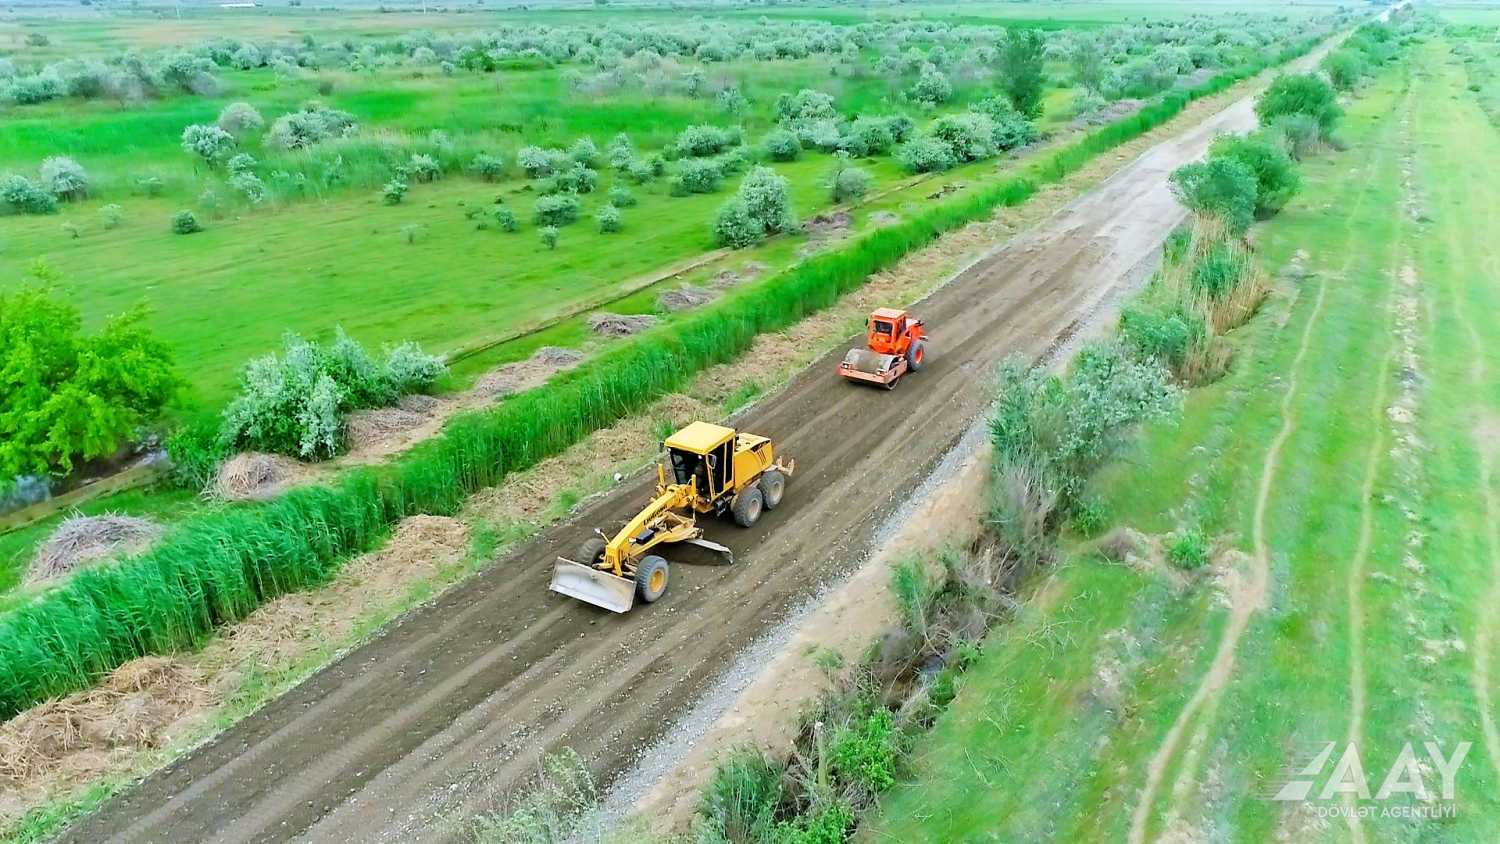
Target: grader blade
x=715 y=547
x=592 y=586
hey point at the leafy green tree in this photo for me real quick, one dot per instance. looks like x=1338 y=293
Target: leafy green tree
x=66 y=396
x=1299 y=93
x=1219 y=187
x=1022 y=64
x=1266 y=155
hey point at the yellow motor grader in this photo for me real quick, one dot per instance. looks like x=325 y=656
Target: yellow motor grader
x=707 y=469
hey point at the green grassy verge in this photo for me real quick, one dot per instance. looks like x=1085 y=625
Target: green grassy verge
x=1376 y=524
x=220 y=566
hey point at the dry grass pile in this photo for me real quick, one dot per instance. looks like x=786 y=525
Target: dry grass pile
x=254 y=475
x=685 y=297
x=142 y=705
x=80 y=540
x=620 y=325
x=366 y=428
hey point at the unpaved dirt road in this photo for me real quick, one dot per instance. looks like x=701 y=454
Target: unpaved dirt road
x=452 y=705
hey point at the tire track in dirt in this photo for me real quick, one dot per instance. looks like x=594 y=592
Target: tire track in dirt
x=1247 y=594
x=448 y=709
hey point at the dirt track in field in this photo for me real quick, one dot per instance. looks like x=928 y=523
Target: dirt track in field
x=451 y=706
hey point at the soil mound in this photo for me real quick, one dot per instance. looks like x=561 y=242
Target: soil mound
x=620 y=325
x=84 y=539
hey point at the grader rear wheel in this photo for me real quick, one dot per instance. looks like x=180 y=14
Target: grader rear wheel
x=772 y=487
x=747 y=507
x=651 y=578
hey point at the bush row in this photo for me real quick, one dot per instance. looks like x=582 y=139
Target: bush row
x=220 y=566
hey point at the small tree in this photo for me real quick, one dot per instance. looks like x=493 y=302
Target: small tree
x=925 y=155
x=1088 y=65
x=1219 y=187
x=111 y=215
x=735 y=228
x=184 y=222
x=620 y=151
x=506 y=219
x=847 y=183
x=69 y=396
x=424 y=168
x=1264 y=153
x=1022 y=69
x=584 y=152
x=65 y=178
x=1299 y=93
x=549 y=235
x=609 y=219
x=209 y=143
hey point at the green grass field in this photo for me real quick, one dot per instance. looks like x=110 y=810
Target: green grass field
x=1360 y=417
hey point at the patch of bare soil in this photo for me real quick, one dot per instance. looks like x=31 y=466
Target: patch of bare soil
x=81 y=540
x=620 y=325
x=884 y=218
x=256 y=476
x=147 y=704
x=1116 y=110
x=685 y=297
x=527 y=374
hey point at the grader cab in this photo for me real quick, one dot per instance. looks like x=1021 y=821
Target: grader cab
x=706 y=470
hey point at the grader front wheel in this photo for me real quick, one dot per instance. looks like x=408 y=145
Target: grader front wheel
x=591 y=552
x=651 y=578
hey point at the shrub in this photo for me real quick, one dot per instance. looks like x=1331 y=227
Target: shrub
x=1219 y=187
x=64 y=178
x=487 y=167
x=761 y=206
x=697 y=141
x=621 y=197
x=68 y=396
x=697 y=176
x=969 y=136
x=734 y=227
x=242 y=162
x=294 y=403
x=864 y=749
x=313 y=124
x=506 y=219
x=932 y=88
x=248 y=185
x=739 y=803
x=1218 y=270
x=576 y=179
x=781 y=145
x=210 y=143
x=608 y=219
x=148 y=185
x=924 y=154
x=1299 y=93
x=847 y=184
x=111 y=215
x=1167 y=335
x=806 y=104
x=1188 y=549
x=1276 y=179
x=869 y=136
x=423 y=168
x=1022 y=65
x=558 y=210
x=1050 y=433
x=1345 y=68
x=539 y=163
x=583 y=151
x=549 y=236
x=183 y=222
x=1012 y=129
x=240 y=119
x=620 y=151
x=1301 y=133
x=394 y=191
